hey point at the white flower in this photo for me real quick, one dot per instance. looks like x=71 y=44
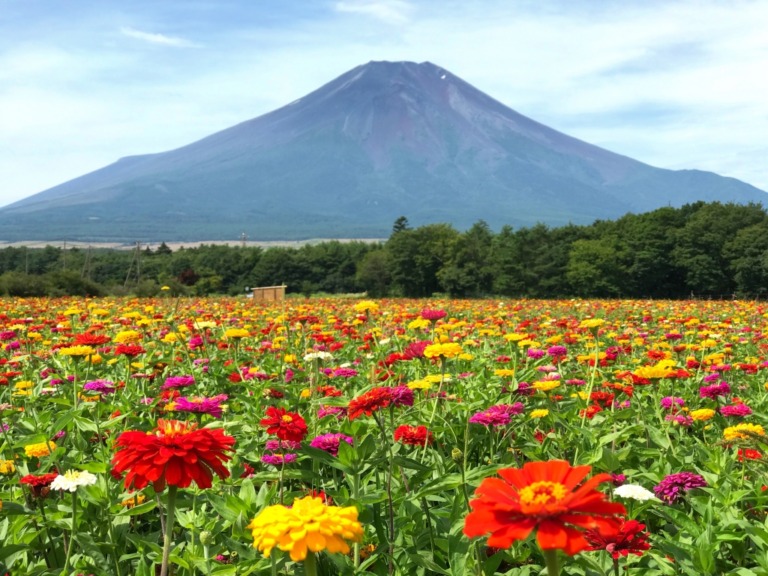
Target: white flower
x=72 y=479
x=635 y=492
x=318 y=356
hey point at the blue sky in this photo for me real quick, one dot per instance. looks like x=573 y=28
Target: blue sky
x=676 y=84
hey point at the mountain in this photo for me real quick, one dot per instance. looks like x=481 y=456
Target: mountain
x=383 y=140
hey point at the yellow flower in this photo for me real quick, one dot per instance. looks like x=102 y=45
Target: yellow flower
x=419 y=385
x=308 y=526
x=40 y=449
x=466 y=356
x=76 y=351
x=447 y=350
x=127 y=337
x=663 y=369
x=702 y=414
x=235 y=333
x=418 y=324
x=515 y=337
x=545 y=385
x=165 y=288
x=366 y=306
x=592 y=323
x=743 y=431
x=170 y=338
x=540 y=413
x=7 y=467
x=504 y=372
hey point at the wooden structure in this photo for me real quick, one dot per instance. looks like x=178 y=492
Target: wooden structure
x=267 y=293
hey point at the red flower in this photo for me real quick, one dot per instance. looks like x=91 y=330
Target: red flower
x=748 y=454
x=175 y=454
x=546 y=496
x=129 y=349
x=38 y=485
x=284 y=425
x=413 y=435
x=622 y=540
x=368 y=403
x=90 y=339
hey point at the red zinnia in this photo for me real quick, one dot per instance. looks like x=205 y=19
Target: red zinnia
x=622 y=540
x=38 y=485
x=284 y=425
x=546 y=496
x=175 y=454
x=89 y=339
x=413 y=435
x=129 y=349
x=368 y=403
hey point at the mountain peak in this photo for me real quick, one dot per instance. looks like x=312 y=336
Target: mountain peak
x=382 y=140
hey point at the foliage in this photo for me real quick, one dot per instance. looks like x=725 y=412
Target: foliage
x=705 y=250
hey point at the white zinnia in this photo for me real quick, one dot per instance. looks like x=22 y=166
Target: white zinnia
x=72 y=479
x=318 y=356
x=635 y=492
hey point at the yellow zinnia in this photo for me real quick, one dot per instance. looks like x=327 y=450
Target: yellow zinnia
x=540 y=413
x=127 y=337
x=545 y=385
x=447 y=350
x=76 y=351
x=40 y=449
x=7 y=467
x=702 y=414
x=235 y=333
x=743 y=431
x=308 y=526
x=366 y=306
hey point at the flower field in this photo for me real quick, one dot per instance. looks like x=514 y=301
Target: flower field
x=337 y=436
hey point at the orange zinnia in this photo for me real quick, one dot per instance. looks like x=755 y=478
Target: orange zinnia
x=175 y=454
x=545 y=496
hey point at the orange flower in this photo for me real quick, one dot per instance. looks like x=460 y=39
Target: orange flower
x=175 y=454
x=546 y=496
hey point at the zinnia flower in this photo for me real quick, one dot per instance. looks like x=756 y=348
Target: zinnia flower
x=634 y=492
x=201 y=405
x=71 y=480
x=447 y=350
x=40 y=449
x=548 y=496
x=330 y=442
x=743 y=431
x=39 y=485
x=175 y=454
x=622 y=540
x=284 y=425
x=177 y=382
x=673 y=486
x=307 y=526
x=369 y=402
x=413 y=435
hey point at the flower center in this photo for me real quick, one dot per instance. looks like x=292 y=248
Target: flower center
x=287 y=418
x=171 y=428
x=542 y=493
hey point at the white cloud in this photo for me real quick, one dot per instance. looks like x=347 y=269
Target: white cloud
x=389 y=11
x=154 y=38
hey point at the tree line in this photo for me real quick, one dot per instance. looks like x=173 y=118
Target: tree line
x=707 y=250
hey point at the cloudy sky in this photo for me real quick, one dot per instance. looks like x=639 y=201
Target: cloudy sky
x=674 y=83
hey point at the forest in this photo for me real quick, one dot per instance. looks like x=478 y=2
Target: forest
x=701 y=250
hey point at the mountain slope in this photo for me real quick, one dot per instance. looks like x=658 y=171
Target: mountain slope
x=382 y=140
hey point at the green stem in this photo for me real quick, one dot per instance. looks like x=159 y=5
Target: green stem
x=616 y=567
x=310 y=564
x=72 y=536
x=553 y=564
x=167 y=537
